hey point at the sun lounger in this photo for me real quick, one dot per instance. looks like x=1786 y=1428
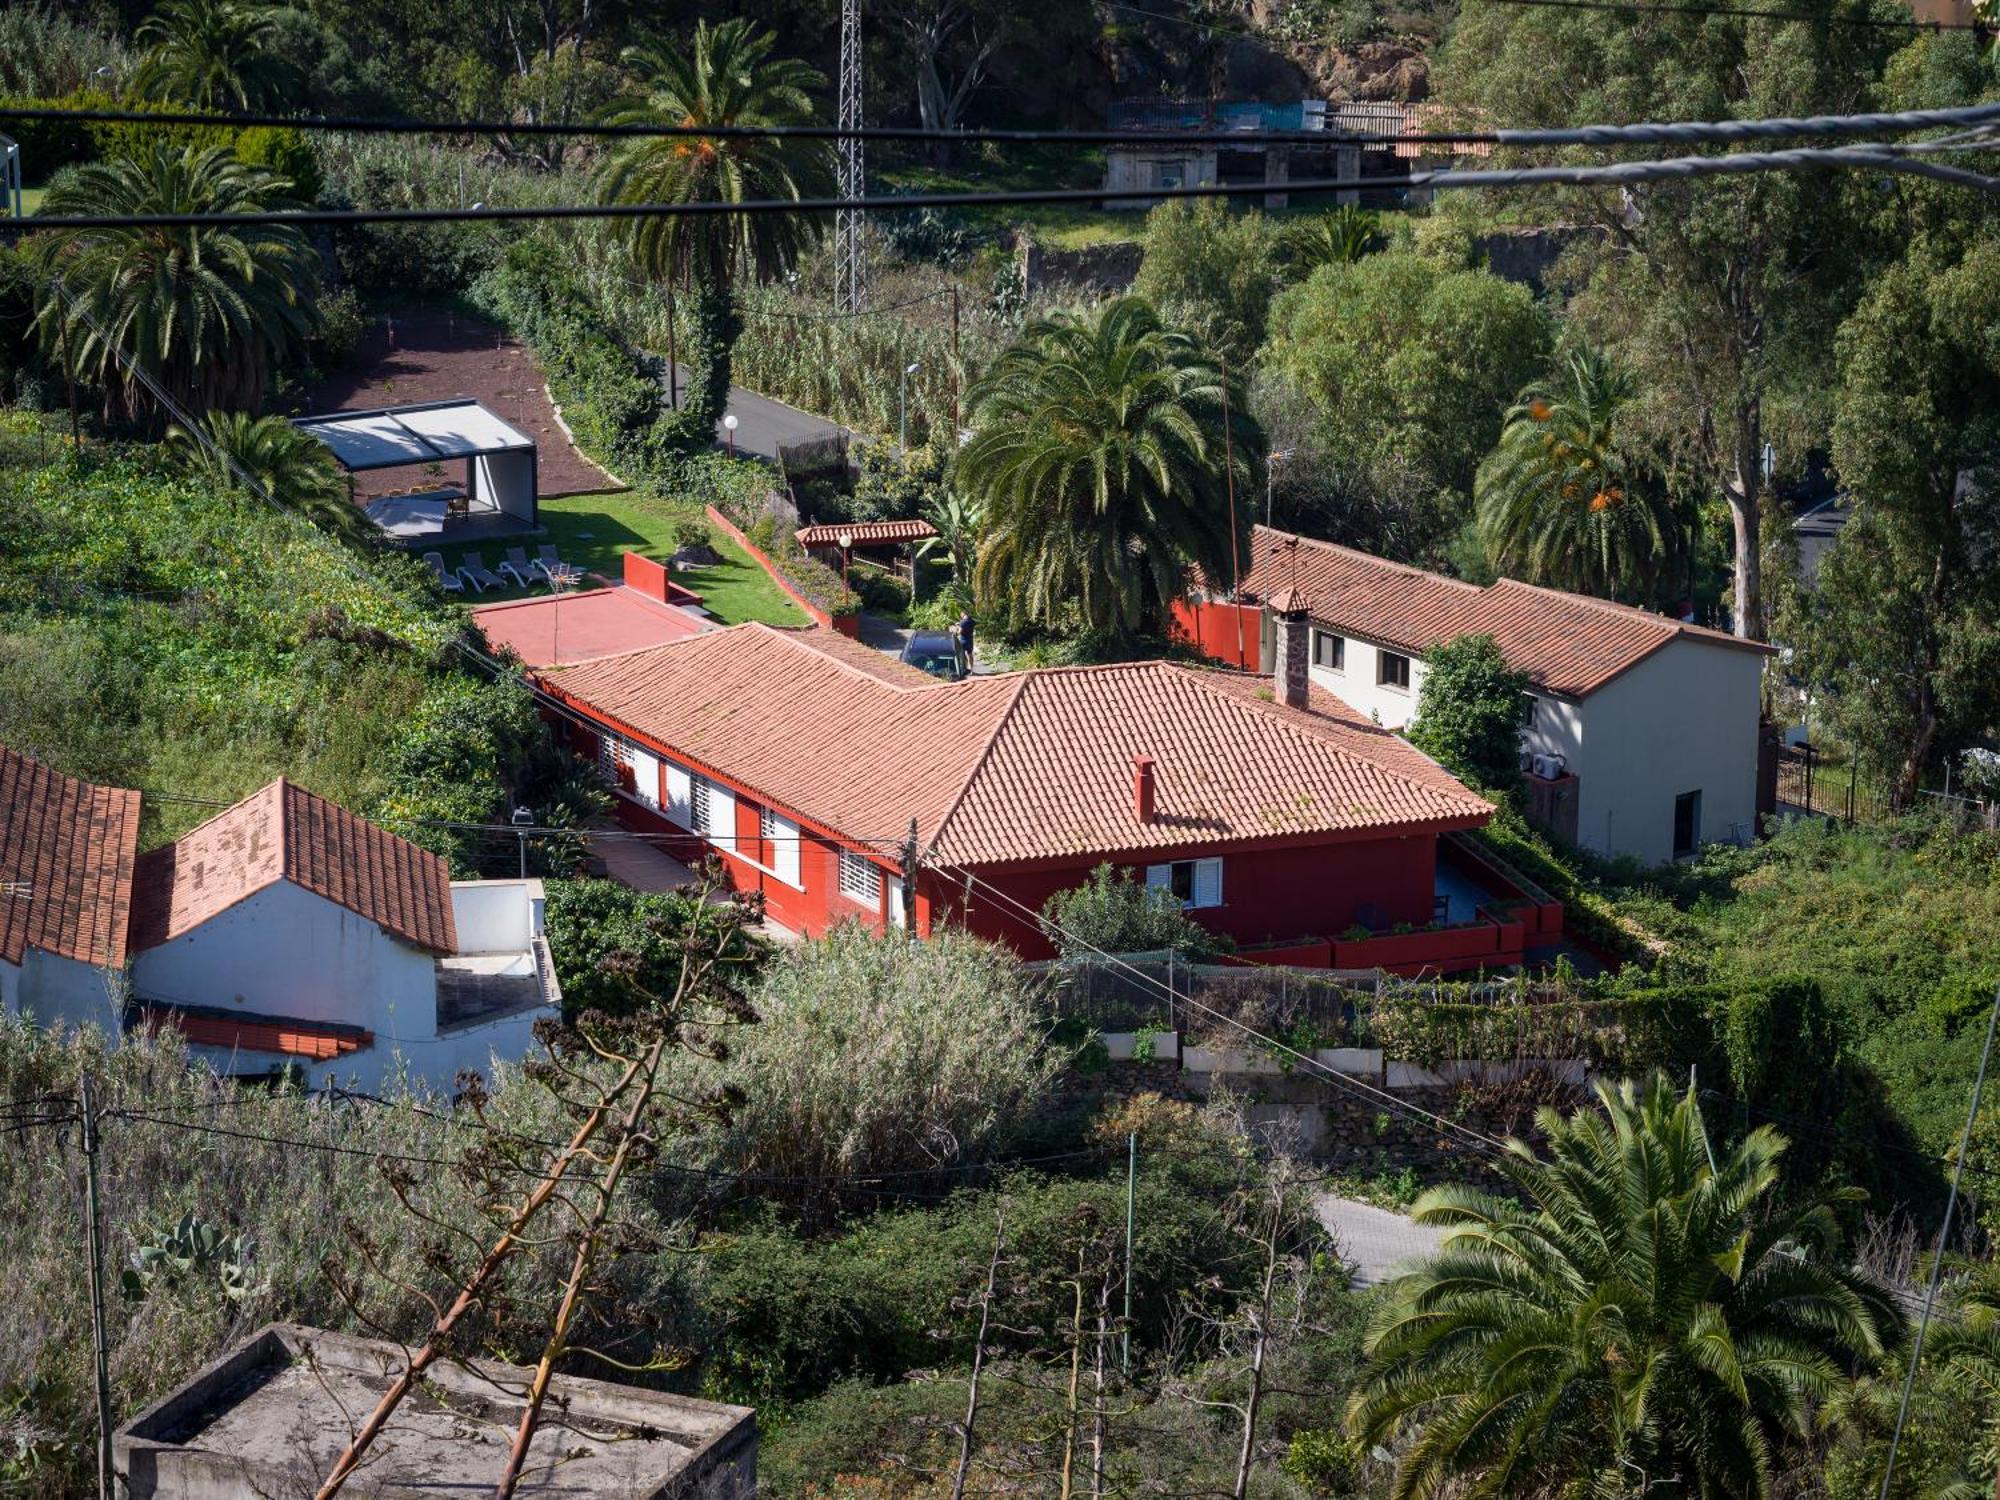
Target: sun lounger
x=451 y=583
x=549 y=564
x=472 y=568
x=518 y=568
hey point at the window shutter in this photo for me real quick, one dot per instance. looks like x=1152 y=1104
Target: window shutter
x=1159 y=877
x=784 y=850
x=1208 y=882
x=678 y=792
x=721 y=828
x=896 y=901
x=646 y=778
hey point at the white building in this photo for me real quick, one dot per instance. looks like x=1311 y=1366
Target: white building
x=285 y=934
x=1640 y=732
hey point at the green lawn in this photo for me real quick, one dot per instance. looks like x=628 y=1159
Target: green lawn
x=596 y=531
x=31 y=202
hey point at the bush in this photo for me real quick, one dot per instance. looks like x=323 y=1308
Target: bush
x=1469 y=713
x=896 y=1057
x=606 y=939
x=1113 y=913
x=342 y=326
x=285 y=151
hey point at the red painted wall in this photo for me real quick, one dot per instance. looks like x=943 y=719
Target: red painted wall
x=1211 y=629
x=1268 y=895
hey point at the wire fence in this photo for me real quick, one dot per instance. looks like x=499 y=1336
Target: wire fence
x=1815 y=782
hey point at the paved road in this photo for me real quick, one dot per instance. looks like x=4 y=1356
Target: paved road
x=762 y=424
x=1374 y=1241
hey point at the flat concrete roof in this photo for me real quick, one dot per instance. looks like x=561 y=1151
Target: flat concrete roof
x=270 y=1417
x=429 y=432
x=560 y=630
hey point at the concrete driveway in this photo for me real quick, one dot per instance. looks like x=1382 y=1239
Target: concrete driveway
x=761 y=423
x=1377 y=1243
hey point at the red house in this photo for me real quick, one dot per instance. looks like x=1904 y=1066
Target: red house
x=822 y=771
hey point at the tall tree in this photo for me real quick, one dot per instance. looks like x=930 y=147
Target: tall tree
x=1567 y=498
x=725 y=77
x=1635 y=1317
x=1717 y=293
x=1213 y=269
x=214 y=54
x=209 y=312
x=1904 y=619
x=1100 y=454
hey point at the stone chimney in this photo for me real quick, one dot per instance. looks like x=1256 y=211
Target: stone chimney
x=1142 y=787
x=1291 y=655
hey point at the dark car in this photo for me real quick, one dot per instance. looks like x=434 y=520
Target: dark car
x=938 y=653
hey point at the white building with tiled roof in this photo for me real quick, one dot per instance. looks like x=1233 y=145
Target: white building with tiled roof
x=1640 y=732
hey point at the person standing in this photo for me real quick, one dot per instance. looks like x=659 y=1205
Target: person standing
x=965 y=637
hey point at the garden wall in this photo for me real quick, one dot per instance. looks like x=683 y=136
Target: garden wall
x=846 y=622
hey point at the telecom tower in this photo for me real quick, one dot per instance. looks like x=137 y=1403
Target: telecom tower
x=850 y=275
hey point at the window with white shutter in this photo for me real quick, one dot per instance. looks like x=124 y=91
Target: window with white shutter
x=698 y=805
x=645 y=777
x=678 y=790
x=860 y=880
x=781 y=846
x=897 y=916
x=1194 y=882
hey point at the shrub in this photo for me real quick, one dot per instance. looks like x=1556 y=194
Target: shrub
x=896 y=1057
x=607 y=938
x=1113 y=913
x=1469 y=712
x=285 y=151
x=342 y=325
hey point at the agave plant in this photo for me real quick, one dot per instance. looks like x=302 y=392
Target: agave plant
x=193 y=1251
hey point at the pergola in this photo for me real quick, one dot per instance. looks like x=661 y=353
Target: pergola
x=497 y=497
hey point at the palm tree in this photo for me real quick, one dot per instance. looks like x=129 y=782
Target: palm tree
x=1099 y=455
x=1639 y=1318
x=1338 y=237
x=1563 y=499
x=277 y=461
x=726 y=78
x=208 y=313
x=214 y=54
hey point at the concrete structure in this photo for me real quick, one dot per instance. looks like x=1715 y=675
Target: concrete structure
x=285 y=934
x=1140 y=170
x=818 y=771
x=498 y=496
x=269 y=1418
x=1640 y=732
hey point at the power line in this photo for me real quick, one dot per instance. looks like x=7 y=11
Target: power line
x=1873 y=158
x=1887 y=23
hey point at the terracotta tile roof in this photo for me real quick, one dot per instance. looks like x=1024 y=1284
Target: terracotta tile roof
x=1567 y=643
x=1228 y=766
x=1023 y=766
x=66 y=854
x=859 y=746
x=204 y=1026
x=286 y=833
x=866 y=533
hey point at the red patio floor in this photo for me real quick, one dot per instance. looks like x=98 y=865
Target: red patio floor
x=559 y=630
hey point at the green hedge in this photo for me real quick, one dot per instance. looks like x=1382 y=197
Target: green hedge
x=47 y=146
x=811 y=577
x=610 y=404
x=1626 y=1034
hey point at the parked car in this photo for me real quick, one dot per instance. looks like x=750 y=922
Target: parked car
x=938 y=653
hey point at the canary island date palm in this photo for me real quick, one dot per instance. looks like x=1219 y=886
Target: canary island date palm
x=272 y=459
x=1563 y=499
x=725 y=77
x=1099 y=460
x=206 y=312
x=1638 y=1321
x=215 y=54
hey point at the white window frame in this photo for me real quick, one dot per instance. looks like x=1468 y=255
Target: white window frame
x=859 y=879
x=1204 y=881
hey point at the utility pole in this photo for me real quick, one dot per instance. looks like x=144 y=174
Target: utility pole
x=1229 y=476
x=850 y=293
x=1131 y=1190
x=98 y=1335
x=909 y=896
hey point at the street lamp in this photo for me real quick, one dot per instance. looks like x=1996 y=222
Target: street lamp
x=846 y=540
x=729 y=426
x=524 y=819
x=903 y=406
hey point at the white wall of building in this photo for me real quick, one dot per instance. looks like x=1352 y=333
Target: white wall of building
x=1683 y=720
x=424 y=1065
x=54 y=989
x=496 y=916
x=287 y=952
x=1358 y=682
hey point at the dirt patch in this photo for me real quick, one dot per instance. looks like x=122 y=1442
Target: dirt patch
x=441 y=356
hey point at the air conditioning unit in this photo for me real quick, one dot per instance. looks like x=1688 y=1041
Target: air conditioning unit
x=1527 y=760
x=1548 y=767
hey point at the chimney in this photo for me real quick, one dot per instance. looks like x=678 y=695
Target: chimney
x=1292 y=653
x=1142 y=787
